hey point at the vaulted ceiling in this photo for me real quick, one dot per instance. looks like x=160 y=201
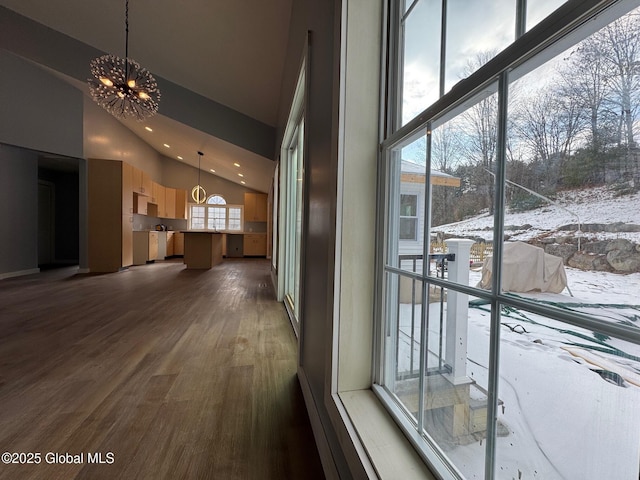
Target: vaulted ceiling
x=223 y=58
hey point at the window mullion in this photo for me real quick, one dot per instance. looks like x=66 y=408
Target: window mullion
x=424 y=321
x=494 y=335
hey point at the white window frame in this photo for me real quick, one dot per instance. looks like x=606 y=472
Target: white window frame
x=558 y=27
x=208 y=208
x=415 y=217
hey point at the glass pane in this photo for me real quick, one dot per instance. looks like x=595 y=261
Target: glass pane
x=293 y=226
x=408 y=230
x=569 y=404
x=216 y=218
x=476 y=32
x=455 y=396
x=403 y=340
x=421 y=58
x=406 y=206
x=216 y=200
x=463 y=157
x=235 y=218
x=537 y=10
x=571 y=221
x=197 y=217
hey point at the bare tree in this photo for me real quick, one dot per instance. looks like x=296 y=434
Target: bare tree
x=481 y=134
x=622 y=43
x=445 y=154
x=548 y=125
x=586 y=79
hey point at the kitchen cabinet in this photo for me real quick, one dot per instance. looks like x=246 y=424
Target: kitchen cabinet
x=255 y=244
x=202 y=250
x=170 y=202
x=255 y=207
x=181 y=203
x=170 y=244
x=158 y=197
x=145 y=247
x=178 y=243
x=109 y=224
x=150 y=198
x=127 y=189
x=127 y=240
x=140 y=203
x=141 y=182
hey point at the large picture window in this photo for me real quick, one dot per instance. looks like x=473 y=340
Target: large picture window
x=291 y=203
x=508 y=330
x=216 y=215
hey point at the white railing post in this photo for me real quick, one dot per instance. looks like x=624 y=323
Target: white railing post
x=458 y=310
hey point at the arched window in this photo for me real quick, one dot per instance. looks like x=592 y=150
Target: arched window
x=216 y=200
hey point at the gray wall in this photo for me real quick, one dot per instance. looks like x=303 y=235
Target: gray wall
x=38 y=110
x=18 y=210
x=322 y=19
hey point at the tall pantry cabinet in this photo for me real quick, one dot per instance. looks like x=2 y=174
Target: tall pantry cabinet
x=110 y=212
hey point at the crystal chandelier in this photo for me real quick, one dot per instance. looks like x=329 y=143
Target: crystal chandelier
x=121 y=86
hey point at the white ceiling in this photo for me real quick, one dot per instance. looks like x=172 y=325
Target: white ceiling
x=230 y=51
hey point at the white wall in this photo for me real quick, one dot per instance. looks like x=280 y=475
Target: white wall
x=107 y=138
x=180 y=175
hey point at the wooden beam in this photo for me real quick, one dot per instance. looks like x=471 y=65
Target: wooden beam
x=435 y=179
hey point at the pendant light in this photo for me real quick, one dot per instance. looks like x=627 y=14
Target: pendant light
x=121 y=86
x=198 y=193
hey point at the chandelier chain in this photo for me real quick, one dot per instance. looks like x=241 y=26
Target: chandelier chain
x=126 y=29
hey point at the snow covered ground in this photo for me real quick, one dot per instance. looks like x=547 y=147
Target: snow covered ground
x=564 y=420
x=595 y=205
x=570 y=398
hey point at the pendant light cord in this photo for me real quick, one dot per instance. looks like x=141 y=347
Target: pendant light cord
x=126 y=41
x=126 y=29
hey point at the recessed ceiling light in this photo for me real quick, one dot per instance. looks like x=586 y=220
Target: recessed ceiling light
x=237 y=164
x=212 y=170
x=167 y=145
x=180 y=158
x=242 y=182
x=148 y=129
x=240 y=175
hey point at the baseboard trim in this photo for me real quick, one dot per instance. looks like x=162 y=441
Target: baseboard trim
x=322 y=444
x=19 y=273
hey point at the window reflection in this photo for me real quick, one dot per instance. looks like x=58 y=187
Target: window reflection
x=476 y=32
x=537 y=10
x=421 y=58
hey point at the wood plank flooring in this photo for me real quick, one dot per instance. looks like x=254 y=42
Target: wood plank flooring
x=179 y=374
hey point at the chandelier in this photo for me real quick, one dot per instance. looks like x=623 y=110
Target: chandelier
x=198 y=193
x=121 y=86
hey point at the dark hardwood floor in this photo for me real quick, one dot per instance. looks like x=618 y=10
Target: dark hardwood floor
x=167 y=373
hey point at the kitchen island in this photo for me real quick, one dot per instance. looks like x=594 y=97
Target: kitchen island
x=202 y=249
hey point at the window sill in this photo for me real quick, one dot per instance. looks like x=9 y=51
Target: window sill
x=391 y=454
